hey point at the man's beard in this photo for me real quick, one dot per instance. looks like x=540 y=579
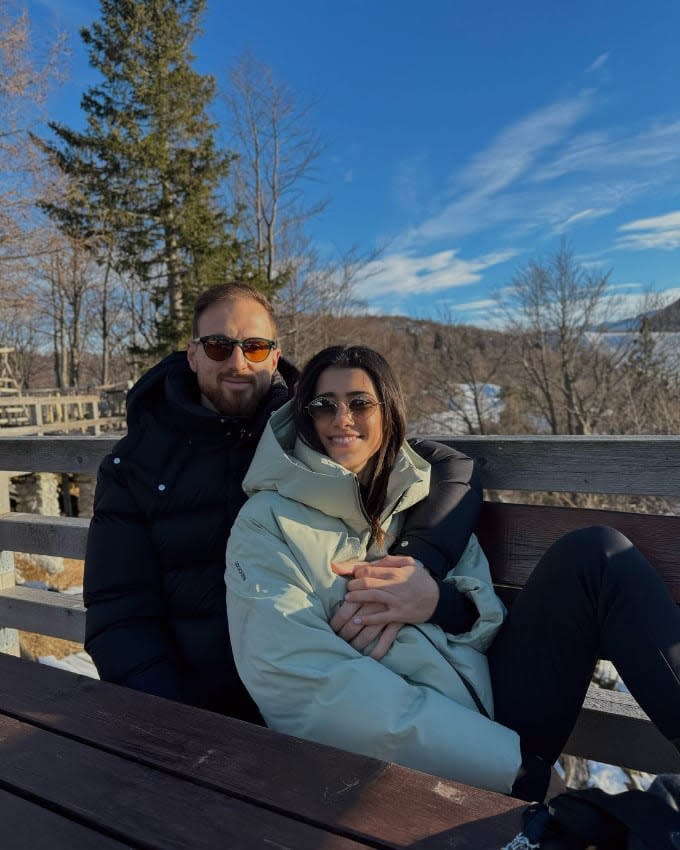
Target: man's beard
x=239 y=403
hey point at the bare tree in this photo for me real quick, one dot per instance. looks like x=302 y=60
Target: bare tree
x=459 y=377
x=271 y=183
x=24 y=83
x=277 y=152
x=571 y=374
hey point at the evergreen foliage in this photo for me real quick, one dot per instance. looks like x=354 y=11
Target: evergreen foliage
x=146 y=174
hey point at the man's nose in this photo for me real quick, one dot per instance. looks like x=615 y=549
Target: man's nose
x=236 y=358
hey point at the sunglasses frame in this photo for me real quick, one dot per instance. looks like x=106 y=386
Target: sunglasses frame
x=361 y=413
x=230 y=341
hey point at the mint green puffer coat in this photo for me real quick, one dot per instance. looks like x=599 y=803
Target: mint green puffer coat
x=413 y=707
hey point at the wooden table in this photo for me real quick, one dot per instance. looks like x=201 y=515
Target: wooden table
x=86 y=765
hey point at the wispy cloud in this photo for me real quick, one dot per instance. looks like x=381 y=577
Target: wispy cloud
x=661 y=232
x=401 y=274
x=598 y=63
x=508 y=159
x=583 y=215
x=594 y=152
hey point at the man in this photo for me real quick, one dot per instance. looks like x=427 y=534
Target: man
x=169 y=492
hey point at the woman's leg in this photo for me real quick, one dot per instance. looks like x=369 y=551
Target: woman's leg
x=592 y=595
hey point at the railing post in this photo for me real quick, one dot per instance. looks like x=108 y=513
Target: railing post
x=9 y=638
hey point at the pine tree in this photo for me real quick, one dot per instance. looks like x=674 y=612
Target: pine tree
x=147 y=168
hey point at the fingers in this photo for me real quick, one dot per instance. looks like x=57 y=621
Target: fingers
x=347 y=628
x=345 y=568
x=366 y=637
x=387 y=638
x=343 y=615
x=366 y=597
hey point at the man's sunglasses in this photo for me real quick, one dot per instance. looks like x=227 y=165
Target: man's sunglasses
x=324 y=409
x=219 y=347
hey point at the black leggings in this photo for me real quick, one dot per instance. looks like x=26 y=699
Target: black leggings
x=593 y=595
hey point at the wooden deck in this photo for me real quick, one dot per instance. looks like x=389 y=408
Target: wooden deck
x=87 y=765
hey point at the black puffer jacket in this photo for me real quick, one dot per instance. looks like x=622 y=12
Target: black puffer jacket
x=166 y=499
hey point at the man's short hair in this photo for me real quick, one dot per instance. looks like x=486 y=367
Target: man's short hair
x=230 y=292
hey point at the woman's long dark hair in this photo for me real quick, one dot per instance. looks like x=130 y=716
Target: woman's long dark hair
x=393 y=415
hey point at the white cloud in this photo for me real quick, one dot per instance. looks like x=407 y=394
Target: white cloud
x=670 y=221
x=583 y=215
x=594 y=152
x=401 y=274
x=510 y=157
x=660 y=232
x=598 y=63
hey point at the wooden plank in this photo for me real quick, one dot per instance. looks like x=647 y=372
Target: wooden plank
x=629 y=465
x=48 y=399
x=44 y=612
x=350 y=794
x=26 y=824
x=44 y=535
x=612 y=728
x=114 y=423
x=136 y=804
x=515 y=537
x=54 y=454
x=625 y=465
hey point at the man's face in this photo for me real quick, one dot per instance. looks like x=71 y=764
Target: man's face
x=235 y=386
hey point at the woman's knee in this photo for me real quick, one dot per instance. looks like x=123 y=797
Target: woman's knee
x=589 y=553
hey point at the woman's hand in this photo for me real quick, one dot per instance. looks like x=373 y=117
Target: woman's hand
x=402 y=585
x=343 y=622
x=382 y=596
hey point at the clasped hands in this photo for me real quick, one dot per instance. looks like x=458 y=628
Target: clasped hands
x=381 y=597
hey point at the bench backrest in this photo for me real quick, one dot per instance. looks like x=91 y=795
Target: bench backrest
x=514 y=536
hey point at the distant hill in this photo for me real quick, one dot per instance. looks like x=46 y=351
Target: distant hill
x=667 y=319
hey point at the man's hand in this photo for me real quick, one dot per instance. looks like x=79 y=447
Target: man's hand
x=400 y=585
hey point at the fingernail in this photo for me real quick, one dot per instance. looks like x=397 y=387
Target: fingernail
x=357 y=621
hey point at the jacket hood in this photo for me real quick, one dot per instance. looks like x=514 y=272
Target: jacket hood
x=173 y=382
x=284 y=464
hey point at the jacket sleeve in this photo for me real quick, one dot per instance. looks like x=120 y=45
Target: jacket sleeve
x=311 y=683
x=125 y=632
x=437 y=530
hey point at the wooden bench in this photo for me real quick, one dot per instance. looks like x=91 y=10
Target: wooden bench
x=87 y=765
x=611 y=728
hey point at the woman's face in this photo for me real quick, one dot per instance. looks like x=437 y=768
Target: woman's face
x=349 y=439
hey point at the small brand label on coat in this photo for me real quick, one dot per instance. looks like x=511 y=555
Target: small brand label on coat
x=237 y=566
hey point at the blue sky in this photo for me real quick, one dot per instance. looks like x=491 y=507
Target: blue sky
x=464 y=138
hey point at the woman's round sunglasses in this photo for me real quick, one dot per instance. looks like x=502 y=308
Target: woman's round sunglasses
x=359 y=408
x=219 y=347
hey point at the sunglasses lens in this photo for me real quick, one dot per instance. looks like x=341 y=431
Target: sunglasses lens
x=322 y=408
x=218 y=349
x=256 y=350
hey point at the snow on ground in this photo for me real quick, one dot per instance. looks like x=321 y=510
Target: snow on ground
x=79 y=662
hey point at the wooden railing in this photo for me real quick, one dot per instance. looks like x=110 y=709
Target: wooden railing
x=612 y=727
x=49 y=413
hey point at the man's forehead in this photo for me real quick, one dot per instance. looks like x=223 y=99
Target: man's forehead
x=242 y=310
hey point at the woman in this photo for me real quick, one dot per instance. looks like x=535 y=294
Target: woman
x=331 y=481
